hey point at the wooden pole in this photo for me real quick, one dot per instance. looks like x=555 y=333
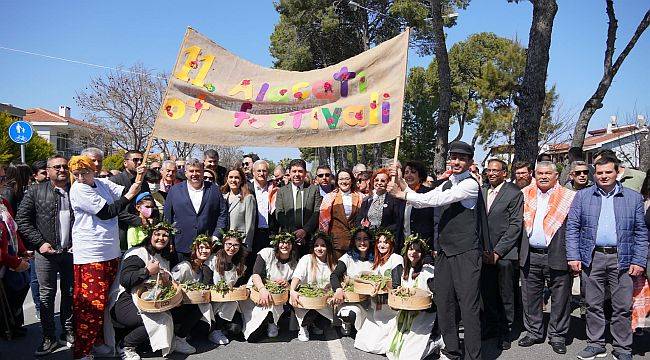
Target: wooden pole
x=146 y=153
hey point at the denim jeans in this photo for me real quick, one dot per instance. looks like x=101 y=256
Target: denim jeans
x=47 y=268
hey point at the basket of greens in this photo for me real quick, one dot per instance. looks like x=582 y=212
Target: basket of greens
x=156 y=296
x=370 y=283
x=222 y=292
x=312 y=297
x=350 y=295
x=195 y=293
x=404 y=298
x=279 y=293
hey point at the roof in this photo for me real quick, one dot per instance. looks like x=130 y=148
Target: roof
x=42 y=115
x=600 y=137
x=12 y=110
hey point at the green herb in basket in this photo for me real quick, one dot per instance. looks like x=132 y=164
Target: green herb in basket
x=376 y=278
x=194 y=286
x=272 y=287
x=221 y=287
x=167 y=292
x=312 y=291
x=404 y=292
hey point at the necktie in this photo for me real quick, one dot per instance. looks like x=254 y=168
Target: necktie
x=298 y=209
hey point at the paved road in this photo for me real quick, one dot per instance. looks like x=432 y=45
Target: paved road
x=287 y=346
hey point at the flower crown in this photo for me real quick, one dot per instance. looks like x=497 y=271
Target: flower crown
x=283 y=238
x=358 y=229
x=385 y=232
x=412 y=239
x=321 y=235
x=162 y=225
x=204 y=239
x=236 y=234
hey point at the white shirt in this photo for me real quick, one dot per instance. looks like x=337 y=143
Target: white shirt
x=537 y=238
x=195 y=196
x=295 y=189
x=94 y=240
x=492 y=194
x=347 y=203
x=307 y=274
x=464 y=191
x=262 y=197
x=64 y=218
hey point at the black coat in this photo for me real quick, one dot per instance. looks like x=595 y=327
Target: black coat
x=129 y=216
x=392 y=217
x=505 y=220
x=38 y=216
x=556 y=250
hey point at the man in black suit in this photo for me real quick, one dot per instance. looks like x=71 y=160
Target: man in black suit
x=504 y=203
x=211 y=161
x=297 y=206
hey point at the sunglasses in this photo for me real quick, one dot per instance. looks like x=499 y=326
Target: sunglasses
x=59 y=167
x=324 y=175
x=208 y=178
x=102 y=176
x=135 y=160
x=155 y=168
x=581 y=172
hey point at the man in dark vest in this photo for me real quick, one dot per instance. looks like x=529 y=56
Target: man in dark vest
x=459 y=246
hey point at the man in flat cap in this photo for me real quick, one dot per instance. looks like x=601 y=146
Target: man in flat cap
x=459 y=247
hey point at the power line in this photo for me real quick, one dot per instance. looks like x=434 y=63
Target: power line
x=77 y=62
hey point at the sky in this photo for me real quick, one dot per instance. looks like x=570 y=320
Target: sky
x=122 y=33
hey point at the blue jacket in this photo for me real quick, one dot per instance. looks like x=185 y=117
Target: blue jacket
x=211 y=219
x=631 y=231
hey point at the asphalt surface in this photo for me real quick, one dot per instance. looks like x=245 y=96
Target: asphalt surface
x=287 y=346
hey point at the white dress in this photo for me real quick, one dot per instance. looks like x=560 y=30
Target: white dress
x=183 y=273
x=415 y=343
x=318 y=276
x=255 y=315
x=225 y=310
x=159 y=326
x=376 y=332
x=353 y=268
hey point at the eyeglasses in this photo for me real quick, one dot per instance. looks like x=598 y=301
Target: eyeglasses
x=155 y=168
x=136 y=160
x=208 y=178
x=229 y=245
x=581 y=172
x=102 y=176
x=493 y=171
x=323 y=175
x=59 y=167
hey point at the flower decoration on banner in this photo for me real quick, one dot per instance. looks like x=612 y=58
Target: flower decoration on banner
x=162 y=225
x=412 y=239
x=386 y=233
x=210 y=87
x=358 y=229
x=235 y=234
x=283 y=238
x=211 y=241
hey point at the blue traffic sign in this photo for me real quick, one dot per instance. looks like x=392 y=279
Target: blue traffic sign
x=21 y=132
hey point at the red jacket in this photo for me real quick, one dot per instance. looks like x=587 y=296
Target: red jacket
x=12 y=261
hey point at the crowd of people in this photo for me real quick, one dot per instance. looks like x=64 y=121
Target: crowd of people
x=489 y=249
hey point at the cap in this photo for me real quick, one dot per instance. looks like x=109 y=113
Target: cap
x=461 y=147
x=142 y=196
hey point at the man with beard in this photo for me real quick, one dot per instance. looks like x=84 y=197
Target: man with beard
x=523 y=173
x=211 y=162
x=324 y=179
x=578 y=176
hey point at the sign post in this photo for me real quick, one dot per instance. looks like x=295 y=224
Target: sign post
x=21 y=132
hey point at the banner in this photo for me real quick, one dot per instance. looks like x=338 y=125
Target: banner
x=215 y=97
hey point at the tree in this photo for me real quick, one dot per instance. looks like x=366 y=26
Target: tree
x=114 y=161
x=36 y=149
x=125 y=103
x=419 y=116
x=532 y=93
x=610 y=69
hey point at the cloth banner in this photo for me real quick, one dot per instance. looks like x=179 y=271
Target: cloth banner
x=215 y=97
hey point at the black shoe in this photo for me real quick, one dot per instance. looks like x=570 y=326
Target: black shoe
x=18 y=332
x=504 y=343
x=66 y=339
x=47 y=346
x=528 y=341
x=558 y=347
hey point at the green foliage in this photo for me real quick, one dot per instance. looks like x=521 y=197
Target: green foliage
x=114 y=161
x=36 y=149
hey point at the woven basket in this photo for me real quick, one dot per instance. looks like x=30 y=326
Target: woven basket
x=365 y=287
x=196 y=297
x=236 y=294
x=158 y=306
x=312 y=303
x=278 y=299
x=352 y=297
x=420 y=300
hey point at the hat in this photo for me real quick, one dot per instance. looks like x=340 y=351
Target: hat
x=142 y=196
x=461 y=147
x=81 y=162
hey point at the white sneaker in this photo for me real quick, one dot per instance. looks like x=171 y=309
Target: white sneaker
x=272 y=331
x=103 y=350
x=218 y=338
x=303 y=334
x=181 y=346
x=316 y=330
x=128 y=353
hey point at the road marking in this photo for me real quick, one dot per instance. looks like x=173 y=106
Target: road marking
x=335 y=346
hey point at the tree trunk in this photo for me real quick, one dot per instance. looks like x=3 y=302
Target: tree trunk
x=444 y=87
x=323 y=156
x=364 y=154
x=530 y=99
x=644 y=152
x=355 y=155
x=595 y=102
x=345 y=163
x=376 y=155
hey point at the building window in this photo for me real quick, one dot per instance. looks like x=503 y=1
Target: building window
x=62 y=142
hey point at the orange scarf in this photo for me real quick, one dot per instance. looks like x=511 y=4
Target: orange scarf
x=558 y=208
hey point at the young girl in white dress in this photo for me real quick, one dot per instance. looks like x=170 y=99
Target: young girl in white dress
x=375 y=333
x=359 y=258
x=313 y=269
x=275 y=263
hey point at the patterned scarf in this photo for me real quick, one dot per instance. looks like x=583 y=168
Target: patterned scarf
x=558 y=208
x=12 y=227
